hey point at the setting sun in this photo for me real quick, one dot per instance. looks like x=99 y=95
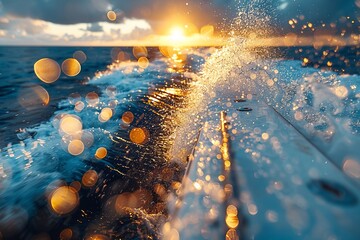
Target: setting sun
x=177 y=33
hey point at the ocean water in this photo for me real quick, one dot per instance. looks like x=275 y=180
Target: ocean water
x=146 y=117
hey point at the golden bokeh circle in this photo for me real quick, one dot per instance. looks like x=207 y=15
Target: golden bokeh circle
x=76 y=147
x=80 y=56
x=70 y=125
x=71 y=67
x=139 y=135
x=33 y=97
x=111 y=15
x=101 y=153
x=47 y=70
x=143 y=62
x=89 y=178
x=127 y=117
x=64 y=200
x=140 y=51
x=66 y=234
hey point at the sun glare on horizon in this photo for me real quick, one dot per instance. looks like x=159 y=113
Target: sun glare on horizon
x=177 y=33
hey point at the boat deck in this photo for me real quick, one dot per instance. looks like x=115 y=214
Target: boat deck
x=252 y=175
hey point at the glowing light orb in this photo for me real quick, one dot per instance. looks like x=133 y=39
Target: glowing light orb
x=80 y=56
x=89 y=178
x=70 y=124
x=123 y=57
x=265 y=136
x=92 y=99
x=47 y=70
x=87 y=138
x=290 y=39
x=352 y=168
x=207 y=30
x=71 y=67
x=140 y=51
x=232 y=235
x=111 y=91
x=64 y=200
x=127 y=117
x=143 y=62
x=112 y=104
x=66 y=234
x=139 y=135
x=76 y=185
x=118 y=55
x=125 y=200
x=96 y=237
x=177 y=33
x=79 y=106
x=33 y=97
x=298 y=116
x=232 y=221
x=74 y=97
x=105 y=115
x=140 y=198
x=231 y=210
x=111 y=15
x=101 y=153
x=165 y=51
x=76 y=147
x=341 y=91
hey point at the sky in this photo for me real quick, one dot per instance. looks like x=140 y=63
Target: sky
x=85 y=22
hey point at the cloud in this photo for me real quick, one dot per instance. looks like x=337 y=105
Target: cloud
x=199 y=12
x=94 y=27
x=22 y=26
x=58 y=11
x=38 y=32
x=164 y=14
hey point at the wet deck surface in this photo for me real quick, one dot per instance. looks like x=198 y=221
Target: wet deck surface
x=254 y=176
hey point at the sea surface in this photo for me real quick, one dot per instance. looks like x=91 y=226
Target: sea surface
x=102 y=138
